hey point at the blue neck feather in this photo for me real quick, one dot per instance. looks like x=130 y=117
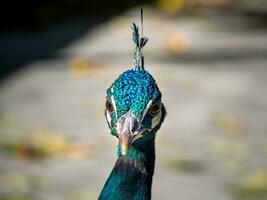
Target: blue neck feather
x=131 y=177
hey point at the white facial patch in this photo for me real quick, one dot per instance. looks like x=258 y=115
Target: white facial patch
x=108 y=118
x=156 y=120
x=114 y=104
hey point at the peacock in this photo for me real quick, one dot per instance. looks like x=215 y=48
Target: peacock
x=134 y=113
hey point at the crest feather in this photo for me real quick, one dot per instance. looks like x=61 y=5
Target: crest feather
x=140 y=42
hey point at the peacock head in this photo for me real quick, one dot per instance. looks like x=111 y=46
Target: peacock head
x=134 y=110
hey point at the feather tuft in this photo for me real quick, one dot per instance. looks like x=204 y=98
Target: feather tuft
x=143 y=41
x=135 y=35
x=140 y=42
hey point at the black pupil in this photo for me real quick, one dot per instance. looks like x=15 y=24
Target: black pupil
x=155 y=108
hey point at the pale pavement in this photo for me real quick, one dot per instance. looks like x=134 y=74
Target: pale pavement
x=212 y=73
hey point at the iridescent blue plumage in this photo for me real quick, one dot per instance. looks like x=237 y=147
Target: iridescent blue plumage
x=134 y=114
x=133 y=89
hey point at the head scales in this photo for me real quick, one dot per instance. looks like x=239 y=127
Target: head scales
x=140 y=42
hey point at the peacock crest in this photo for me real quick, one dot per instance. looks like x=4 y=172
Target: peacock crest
x=140 y=42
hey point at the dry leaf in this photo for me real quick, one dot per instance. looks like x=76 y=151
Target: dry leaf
x=80 y=67
x=178 y=44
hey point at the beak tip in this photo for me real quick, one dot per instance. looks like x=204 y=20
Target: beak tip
x=124 y=150
x=124 y=143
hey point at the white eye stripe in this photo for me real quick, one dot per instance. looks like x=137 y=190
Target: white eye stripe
x=147 y=108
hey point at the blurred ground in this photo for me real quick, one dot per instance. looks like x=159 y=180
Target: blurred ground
x=211 y=69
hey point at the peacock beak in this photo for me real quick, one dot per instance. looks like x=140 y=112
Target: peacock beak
x=126 y=127
x=124 y=140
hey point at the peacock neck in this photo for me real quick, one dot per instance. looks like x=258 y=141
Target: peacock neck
x=131 y=177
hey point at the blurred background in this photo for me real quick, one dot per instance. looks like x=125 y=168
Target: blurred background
x=57 y=58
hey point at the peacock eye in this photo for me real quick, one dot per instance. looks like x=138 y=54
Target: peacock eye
x=155 y=108
x=109 y=106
